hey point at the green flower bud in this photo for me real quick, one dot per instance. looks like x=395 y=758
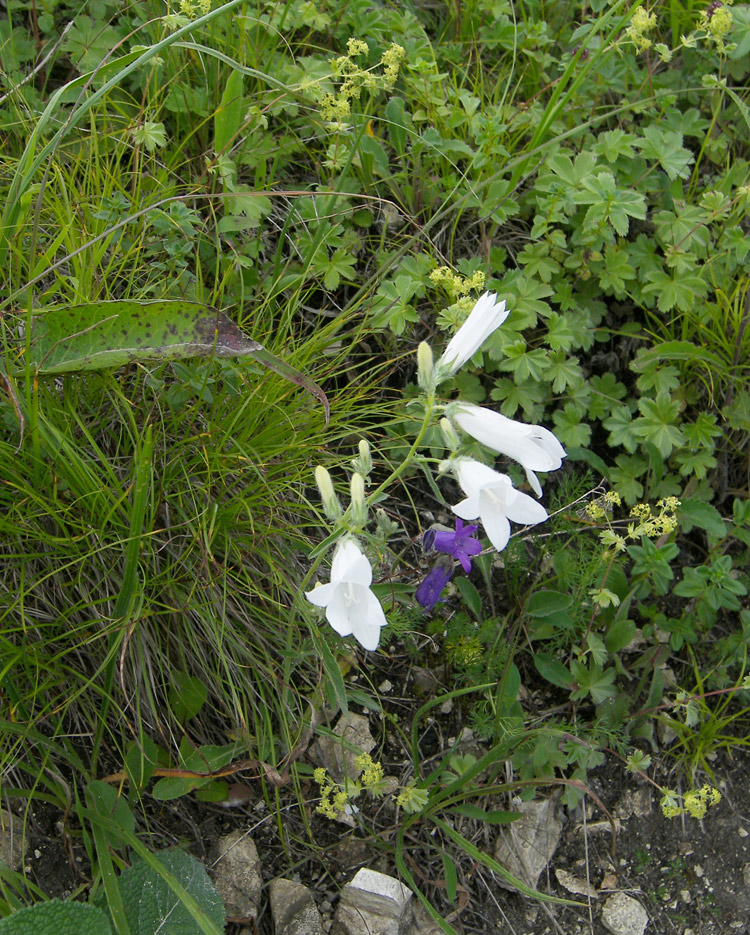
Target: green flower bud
x=425 y=370
x=363 y=464
x=450 y=436
x=331 y=504
x=359 y=505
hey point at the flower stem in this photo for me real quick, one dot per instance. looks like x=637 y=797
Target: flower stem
x=397 y=472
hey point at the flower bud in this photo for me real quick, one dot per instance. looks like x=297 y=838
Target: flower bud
x=450 y=436
x=425 y=370
x=331 y=503
x=363 y=464
x=359 y=505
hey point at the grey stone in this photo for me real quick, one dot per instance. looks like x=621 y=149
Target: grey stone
x=623 y=915
x=526 y=846
x=12 y=849
x=335 y=753
x=293 y=909
x=373 y=904
x=575 y=885
x=235 y=870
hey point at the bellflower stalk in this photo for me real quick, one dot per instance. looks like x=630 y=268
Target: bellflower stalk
x=486 y=316
x=534 y=447
x=492 y=498
x=351 y=607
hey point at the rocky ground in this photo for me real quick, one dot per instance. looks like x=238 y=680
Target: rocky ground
x=659 y=876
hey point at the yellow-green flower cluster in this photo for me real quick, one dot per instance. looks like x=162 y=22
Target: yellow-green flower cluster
x=641 y=23
x=354 y=79
x=716 y=19
x=647 y=521
x=695 y=802
x=602 y=506
x=457 y=287
x=335 y=801
x=371 y=774
x=192 y=8
x=412 y=799
x=653 y=524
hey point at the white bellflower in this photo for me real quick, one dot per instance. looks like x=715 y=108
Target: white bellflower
x=487 y=315
x=492 y=498
x=534 y=447
x=351 y=607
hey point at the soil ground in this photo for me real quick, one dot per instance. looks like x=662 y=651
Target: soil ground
x=692 y=877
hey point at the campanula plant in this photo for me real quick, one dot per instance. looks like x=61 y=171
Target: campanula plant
x=490 y=496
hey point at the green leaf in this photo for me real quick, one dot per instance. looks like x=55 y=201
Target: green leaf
x=657 y=423
x=676 y=350
x=681 y=290
x=570 y=427
x=496 y=817
x=703 y=515
x=544 y=603
x=619 y=635
x=665 y=147
x=206 y=759
x=616 y=270
x=564 y=371
x=230 y=113
x=112 y=334
x=450 y=877
x=525 y=364
x=536 y=261
x=470 y=596
x=621 y=429
x=624 y=476
x=141 y=759
x=399 y=122
x=151 y=904
x=552 y=670
x=593 y=681
x=186 y=695
x=104 y=799
x=56 y=917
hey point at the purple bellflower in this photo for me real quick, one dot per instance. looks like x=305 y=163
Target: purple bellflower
x=429 y=591
x=461 y=544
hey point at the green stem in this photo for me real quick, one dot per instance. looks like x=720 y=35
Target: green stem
x=397 y=472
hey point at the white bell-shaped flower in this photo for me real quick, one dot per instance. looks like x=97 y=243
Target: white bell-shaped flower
x=487 y=315
x=534 y=447
x=351 y=607
x=492 y=498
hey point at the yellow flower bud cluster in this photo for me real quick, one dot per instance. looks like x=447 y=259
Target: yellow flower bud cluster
x=335 y=800
x=717 y=21
x=641 y=23
x=653 y=524
x=354 y=79
x=192 y=8
x=457 y=286
x=695 y=802
x=648 y=522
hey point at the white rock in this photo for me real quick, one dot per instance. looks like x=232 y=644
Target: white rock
x=235 y=871
x=293 y=909
x=623 y=915
x=336 y=753
x=526 y=846
x=575 y=885
x=372 y=904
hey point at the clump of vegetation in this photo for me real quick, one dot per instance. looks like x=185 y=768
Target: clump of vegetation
x=231 y=236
